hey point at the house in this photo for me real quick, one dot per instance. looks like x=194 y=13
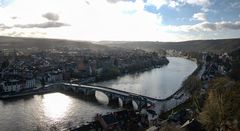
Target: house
x=53 y=76
x=11 y=86
x=30 y=83
x=108 y=121
x=16 y=85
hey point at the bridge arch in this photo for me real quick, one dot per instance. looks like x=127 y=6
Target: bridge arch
x=101 y=97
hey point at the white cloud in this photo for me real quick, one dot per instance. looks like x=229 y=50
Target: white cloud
x=200 y=16
x=176 y=3
x=228 y=25
x=51 y=24
x=157 y=3
x=205 y=27
x=173 y=4
x=4 y=27
x=204 y=3
x=115 y=1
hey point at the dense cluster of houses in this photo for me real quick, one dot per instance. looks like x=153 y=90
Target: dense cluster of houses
x=27 y=69
x=216 y=65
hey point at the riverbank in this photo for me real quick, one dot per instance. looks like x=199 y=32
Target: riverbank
x=122 y=71
x=37 y=91
x=181 y=89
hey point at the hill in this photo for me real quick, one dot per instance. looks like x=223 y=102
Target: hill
x=43 y=43
x=215 y=46
x=146 y=46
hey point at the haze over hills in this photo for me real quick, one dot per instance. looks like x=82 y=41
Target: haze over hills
x=147 y=46
x=216 y=46
x=43 y=43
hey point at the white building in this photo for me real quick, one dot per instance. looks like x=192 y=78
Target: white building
x=30 y=83
x=17 y=85
x=11 y=86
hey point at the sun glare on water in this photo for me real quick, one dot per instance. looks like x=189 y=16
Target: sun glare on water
x=56 y=105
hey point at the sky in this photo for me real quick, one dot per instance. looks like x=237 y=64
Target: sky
x=121 y=20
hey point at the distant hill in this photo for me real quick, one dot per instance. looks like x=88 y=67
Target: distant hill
x=43 y=43
x=147 y=46
x=216 y=46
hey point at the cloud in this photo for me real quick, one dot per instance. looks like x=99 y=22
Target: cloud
x=87 y=2
x=14 y=17
x=209 y=10
x=200 y=16
x=176 y=3
x=51 y=16
x=115 y=1
x=25 y=33
x=43 y=25
x=157 y=3
x=206 y=27
x=235 y=4
x=14 y=33
x=228 y=25
x=204 y=3
x=173 y=4
x=4 y=27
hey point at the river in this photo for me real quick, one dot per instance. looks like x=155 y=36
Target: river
x=159 y=82
x=59 y=111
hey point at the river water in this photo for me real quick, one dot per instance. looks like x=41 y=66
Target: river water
x=159 y=82
x=59 y=111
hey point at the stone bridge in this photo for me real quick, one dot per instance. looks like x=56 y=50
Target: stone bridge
x=113 y=95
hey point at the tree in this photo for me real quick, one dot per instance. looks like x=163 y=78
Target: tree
x=221 y=109
x=5 y=64
x=171 y=127
x=193 y=86
x=235 y=73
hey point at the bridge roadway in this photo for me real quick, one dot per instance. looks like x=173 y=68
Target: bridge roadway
x=109 y=90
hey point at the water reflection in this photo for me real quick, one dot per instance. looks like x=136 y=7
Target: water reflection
x=55 y=105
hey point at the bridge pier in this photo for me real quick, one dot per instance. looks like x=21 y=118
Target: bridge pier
x=141 y=102
x=113 y=100
x=127 y=103
x=90 y=94
x=69 y=89
x=80 y=91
